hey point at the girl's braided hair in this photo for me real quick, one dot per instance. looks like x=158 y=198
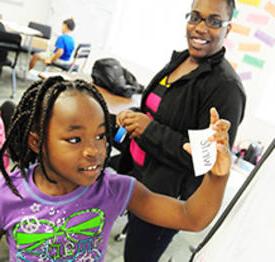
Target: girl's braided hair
x=33 y=113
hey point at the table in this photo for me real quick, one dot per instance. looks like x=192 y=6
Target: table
x=20 y=29
x=28 y=32
x=115 y=103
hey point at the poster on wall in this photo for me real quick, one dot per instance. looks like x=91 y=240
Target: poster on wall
x=251 y=50
x=251 y=41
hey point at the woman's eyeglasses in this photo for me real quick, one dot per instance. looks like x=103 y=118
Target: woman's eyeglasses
x=194 y=18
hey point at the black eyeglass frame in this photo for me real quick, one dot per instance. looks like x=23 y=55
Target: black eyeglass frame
x=221 y=23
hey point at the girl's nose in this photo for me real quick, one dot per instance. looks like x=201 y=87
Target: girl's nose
x=90 y=150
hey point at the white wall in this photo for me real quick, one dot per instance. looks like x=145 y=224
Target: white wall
x=23 y=11
x=259 y=122
x=147 y=31
x=93 y=18
x=142 y=35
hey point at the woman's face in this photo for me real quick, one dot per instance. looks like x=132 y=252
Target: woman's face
x=204 y=41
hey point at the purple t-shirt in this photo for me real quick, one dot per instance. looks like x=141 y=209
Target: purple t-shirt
x=71 y=227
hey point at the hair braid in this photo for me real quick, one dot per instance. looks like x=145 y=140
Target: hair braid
x=49 y=100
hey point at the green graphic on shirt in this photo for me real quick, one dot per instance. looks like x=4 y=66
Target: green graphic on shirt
x=30 y=233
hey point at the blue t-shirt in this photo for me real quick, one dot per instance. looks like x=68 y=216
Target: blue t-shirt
x=71 y=227
x=65 y=42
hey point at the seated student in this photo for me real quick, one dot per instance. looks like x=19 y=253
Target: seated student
x=64 y=47
x=60 y=204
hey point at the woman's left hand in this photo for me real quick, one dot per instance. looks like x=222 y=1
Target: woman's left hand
x=223 y=160
x=135 y=123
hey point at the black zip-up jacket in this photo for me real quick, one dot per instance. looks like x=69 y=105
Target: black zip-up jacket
x=185 y=105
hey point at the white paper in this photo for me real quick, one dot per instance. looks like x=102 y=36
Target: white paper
x=204 y=152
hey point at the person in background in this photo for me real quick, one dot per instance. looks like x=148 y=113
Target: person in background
x=177 y=99
x=61 y=202
x=64 y=47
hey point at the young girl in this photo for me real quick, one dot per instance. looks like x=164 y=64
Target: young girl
x=60 y=204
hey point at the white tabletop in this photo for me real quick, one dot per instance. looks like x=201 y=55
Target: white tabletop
x=21 y=29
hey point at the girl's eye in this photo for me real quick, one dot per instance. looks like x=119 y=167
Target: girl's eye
x=101 y=136
x=74 y=140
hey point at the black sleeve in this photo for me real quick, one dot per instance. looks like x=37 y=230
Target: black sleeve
x=165 y=144
x=229 y=100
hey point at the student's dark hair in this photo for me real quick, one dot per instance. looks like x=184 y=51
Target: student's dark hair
x=70 y=23
x=33 y=114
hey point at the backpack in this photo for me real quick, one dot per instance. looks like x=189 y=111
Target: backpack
x=109 y=74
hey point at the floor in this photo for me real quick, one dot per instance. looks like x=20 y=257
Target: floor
x=178 y=251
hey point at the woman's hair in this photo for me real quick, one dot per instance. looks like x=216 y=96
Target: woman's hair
x=231 y=7
x=33 y=114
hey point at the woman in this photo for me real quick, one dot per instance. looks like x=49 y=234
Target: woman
x=177 y=99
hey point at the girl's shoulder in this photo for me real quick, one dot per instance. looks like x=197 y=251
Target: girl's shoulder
x=117 y=183
x=111 y=176
x=15 y=177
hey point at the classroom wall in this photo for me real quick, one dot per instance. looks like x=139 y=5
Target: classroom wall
x=93 y=18
x=146 y=33
x=142 y=35
x=250 y=49
x=23 y=11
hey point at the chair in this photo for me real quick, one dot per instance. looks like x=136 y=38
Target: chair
x=10 y=42
x=82 y=52
x=3 y=54
x=46 y=35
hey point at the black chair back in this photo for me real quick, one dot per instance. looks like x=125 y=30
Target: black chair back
x=44 y=29
x=82 y=51
x=2 y=27
x=10 y=41
x=3 y=53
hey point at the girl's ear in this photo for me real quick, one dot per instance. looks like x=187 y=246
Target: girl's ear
x=33 y=142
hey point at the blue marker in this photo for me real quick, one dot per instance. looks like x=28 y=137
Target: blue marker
x=120 y=134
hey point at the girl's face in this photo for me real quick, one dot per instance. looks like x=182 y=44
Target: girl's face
x=76 y=143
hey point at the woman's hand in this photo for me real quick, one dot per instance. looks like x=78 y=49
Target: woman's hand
x=221 y=127
x=134 y=122
x=121 y=116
